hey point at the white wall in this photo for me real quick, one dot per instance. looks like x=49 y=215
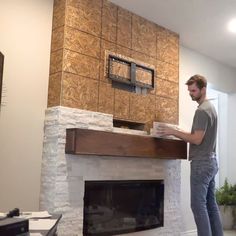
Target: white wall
x=25 y=28
x=232 y=139
x=221 y=78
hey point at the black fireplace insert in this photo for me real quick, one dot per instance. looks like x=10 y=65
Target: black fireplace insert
x=116 y=207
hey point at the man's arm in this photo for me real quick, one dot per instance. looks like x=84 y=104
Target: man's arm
x=195 y=138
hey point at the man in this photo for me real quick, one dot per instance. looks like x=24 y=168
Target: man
x=202 y=154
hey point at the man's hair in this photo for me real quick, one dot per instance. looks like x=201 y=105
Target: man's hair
x=200 y=81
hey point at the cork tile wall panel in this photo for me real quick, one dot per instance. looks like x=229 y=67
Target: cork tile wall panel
x=167 y=110
x=162 y=42
x=143 y=109
x=54 y=89
x=84 y=15
x=56 y=61
x=171 y=54
x=103 y=73
x=81 y=42
x=126 y=52
x=173 y=49
x=57 y=39
x=167 y=46
x=124 y=26
x=109 y=21
x=81 y=64
x=173 y=38
x=143 y=76
x=167 y=71
x=167 y=89
x=143 y=58
x=121 y=109
x=79 y=92
x=106 y=98
x=138 y=104
x=121 y=70
x=106 y=47
x=58 y=13
x=143 y=36
x=149 y=61
x=150 y=111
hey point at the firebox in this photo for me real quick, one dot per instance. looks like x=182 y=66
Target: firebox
x=122 y=206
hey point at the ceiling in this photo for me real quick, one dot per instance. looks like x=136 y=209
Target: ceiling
x=201 y=24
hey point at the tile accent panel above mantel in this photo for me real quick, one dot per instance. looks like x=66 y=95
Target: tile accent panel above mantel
x=83 y=31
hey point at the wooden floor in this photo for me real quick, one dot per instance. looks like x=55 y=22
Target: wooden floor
x=230 y=233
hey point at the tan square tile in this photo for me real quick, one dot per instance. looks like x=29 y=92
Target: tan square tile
x=167 y=110
x=81 y=42
x=173 y=49
x=143 y=36
x=57 y=39
x=54 y=90
x=106 y=98
x=121 y=70
x=58 y=13
x=138 y=105
x=56 y=61
x=84 y=15
x=143 y=58
x=107 y=48
x=143 y=76
x=126 y=52
x=150 y=109
x=167 y=46
x=167 y=89
x=124 y=28
x=103 y=72
x=167 y=71
x=81 y=64
x=79 y=92
x=109 y=21
x=162 y=42
x=122 y=104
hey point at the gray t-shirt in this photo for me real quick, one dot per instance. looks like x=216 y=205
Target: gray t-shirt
x=205 y=118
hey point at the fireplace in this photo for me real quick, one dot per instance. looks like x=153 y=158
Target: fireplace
x=116 y=207
x=64 y=176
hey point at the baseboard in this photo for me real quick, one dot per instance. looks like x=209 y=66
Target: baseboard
x=189 y=233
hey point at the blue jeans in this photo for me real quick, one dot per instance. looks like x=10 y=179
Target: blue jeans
x=203 y=202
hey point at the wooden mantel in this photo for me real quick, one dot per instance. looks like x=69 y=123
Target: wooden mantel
x=103 y=143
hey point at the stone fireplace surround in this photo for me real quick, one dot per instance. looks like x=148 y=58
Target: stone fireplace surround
x=63 y=175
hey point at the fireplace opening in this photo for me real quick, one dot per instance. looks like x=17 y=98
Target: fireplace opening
x=116 y=207
x=128 y=124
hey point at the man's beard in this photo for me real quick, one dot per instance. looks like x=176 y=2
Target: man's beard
x=196 y=98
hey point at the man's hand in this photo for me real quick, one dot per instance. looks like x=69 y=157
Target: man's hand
x=195 y=138
x=164 y=130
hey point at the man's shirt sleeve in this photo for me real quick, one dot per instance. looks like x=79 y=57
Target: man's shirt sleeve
x=200 y=120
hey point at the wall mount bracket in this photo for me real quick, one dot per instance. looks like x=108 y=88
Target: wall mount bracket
x=124 y=74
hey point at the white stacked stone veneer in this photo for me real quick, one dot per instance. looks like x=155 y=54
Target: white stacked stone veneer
x=63 y=175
